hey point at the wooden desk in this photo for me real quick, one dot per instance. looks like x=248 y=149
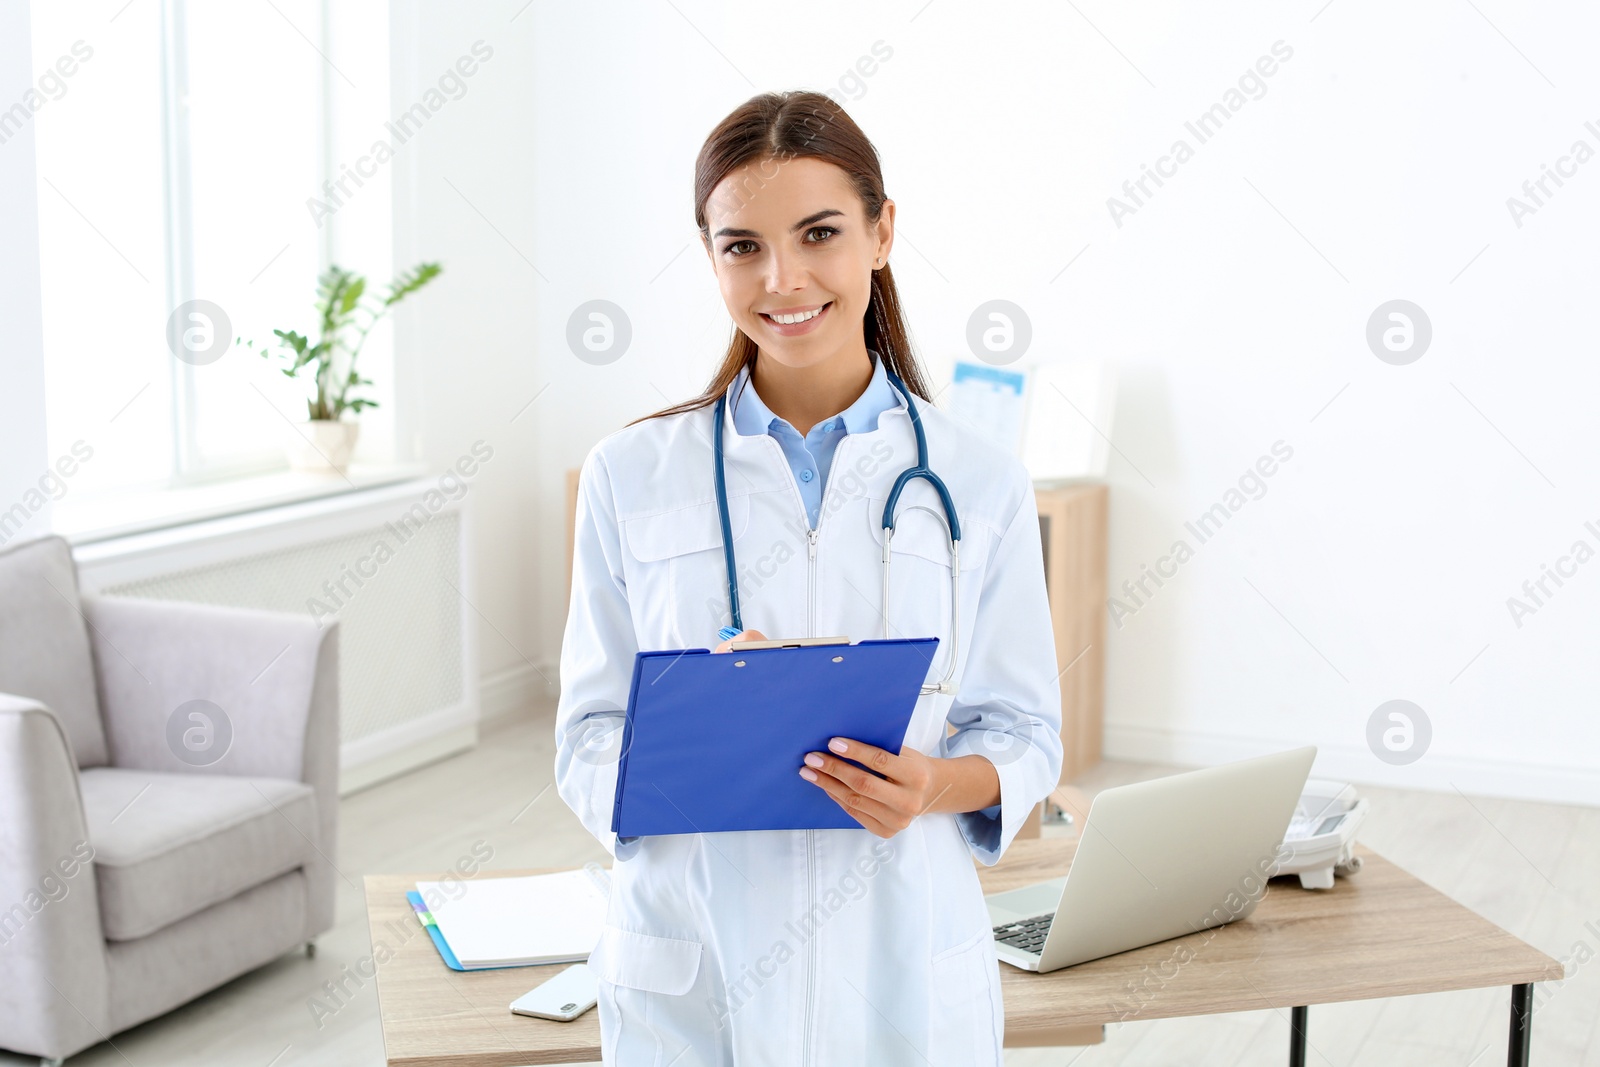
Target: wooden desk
x=1379 y=933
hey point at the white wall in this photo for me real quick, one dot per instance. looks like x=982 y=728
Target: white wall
x=23 y=458
x=1377 y=165
x=465 y=355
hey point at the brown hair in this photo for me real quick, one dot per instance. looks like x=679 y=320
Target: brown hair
x=785 y=126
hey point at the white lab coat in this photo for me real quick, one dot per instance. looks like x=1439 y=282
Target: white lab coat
x=806 y=947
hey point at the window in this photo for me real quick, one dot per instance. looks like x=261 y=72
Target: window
x=183 y=149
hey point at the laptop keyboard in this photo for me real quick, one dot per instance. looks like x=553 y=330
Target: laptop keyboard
x=1028 y=935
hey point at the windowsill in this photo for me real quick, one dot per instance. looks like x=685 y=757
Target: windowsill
x=85 y=521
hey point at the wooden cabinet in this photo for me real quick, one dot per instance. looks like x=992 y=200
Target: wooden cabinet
x=1072 y=526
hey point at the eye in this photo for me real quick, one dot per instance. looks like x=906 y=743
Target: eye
x=826 y=231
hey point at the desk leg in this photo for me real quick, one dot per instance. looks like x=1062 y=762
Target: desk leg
x=1297 y=1036
x=1521 y=1025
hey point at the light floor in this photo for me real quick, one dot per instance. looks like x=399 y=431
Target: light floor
x=1532 y=868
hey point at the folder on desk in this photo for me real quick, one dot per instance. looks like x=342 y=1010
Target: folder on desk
x=492 y=922
x=715 y=741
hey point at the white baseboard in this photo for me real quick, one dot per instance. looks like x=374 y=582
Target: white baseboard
x=1434 y=772
x=407 y=757
x=505 y=695
x=513 y=692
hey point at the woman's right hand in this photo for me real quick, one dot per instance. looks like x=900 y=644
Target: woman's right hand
x=742 y=635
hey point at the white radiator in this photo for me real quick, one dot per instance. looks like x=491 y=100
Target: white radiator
x=387 y=563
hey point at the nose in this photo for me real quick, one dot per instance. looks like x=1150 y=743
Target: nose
x=785 y=273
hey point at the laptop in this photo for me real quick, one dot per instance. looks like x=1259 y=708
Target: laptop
x=1157 y=860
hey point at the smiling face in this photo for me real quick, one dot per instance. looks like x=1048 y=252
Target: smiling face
x=794 y=253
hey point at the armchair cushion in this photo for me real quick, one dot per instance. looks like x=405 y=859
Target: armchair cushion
x=169 y=845
x=44 y=641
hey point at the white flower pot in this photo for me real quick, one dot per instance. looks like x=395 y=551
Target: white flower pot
x=323 y=446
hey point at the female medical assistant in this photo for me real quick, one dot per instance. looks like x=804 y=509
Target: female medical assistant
x=804 y=947
x=849 y=941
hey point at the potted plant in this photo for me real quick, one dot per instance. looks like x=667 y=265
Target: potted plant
x=327 y=438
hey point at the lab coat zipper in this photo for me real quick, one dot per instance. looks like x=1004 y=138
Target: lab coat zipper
x=812 y=536
x=811 y=625
x=811 y=954
x=811 y=942
x=811 y=578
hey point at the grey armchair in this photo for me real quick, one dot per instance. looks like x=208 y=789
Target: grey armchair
x=168 y=799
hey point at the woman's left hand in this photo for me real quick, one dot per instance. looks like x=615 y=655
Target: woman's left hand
x=884 y=798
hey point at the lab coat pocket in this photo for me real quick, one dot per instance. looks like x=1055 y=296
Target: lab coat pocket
x=678 y=580
x=645 y=961
x=962 y=1023
x=957 y=969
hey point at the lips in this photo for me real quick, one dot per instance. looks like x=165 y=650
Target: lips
x=795 y=311
x=821 y=310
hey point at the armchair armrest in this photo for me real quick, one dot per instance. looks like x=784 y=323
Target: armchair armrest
x=53 y=981
x=270 y=683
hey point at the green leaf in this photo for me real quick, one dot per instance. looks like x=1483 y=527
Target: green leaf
x=293 y=340
x=405 y=283
x=352 y=295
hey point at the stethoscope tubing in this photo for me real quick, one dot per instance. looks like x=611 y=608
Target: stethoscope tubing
x=920 y=470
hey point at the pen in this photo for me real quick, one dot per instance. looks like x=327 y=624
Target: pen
x=728 y=631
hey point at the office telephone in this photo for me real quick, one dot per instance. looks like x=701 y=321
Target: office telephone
x=1321 y=837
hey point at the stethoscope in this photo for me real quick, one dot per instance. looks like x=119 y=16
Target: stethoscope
x=920 y=470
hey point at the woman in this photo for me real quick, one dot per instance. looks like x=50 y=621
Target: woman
x=829 y=946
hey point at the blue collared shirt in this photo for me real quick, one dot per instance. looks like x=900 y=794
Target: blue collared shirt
x=811 y=456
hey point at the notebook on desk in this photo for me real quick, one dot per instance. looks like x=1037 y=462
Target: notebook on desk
x=526 y=921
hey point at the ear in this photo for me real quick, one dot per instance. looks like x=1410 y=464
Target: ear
x=885 y=230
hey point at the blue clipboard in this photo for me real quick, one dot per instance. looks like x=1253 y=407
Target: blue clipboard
x=715 y=741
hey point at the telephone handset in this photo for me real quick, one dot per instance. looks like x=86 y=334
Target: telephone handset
x=1320 y=841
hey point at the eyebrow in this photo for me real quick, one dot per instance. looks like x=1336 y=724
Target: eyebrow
x=727 y=231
